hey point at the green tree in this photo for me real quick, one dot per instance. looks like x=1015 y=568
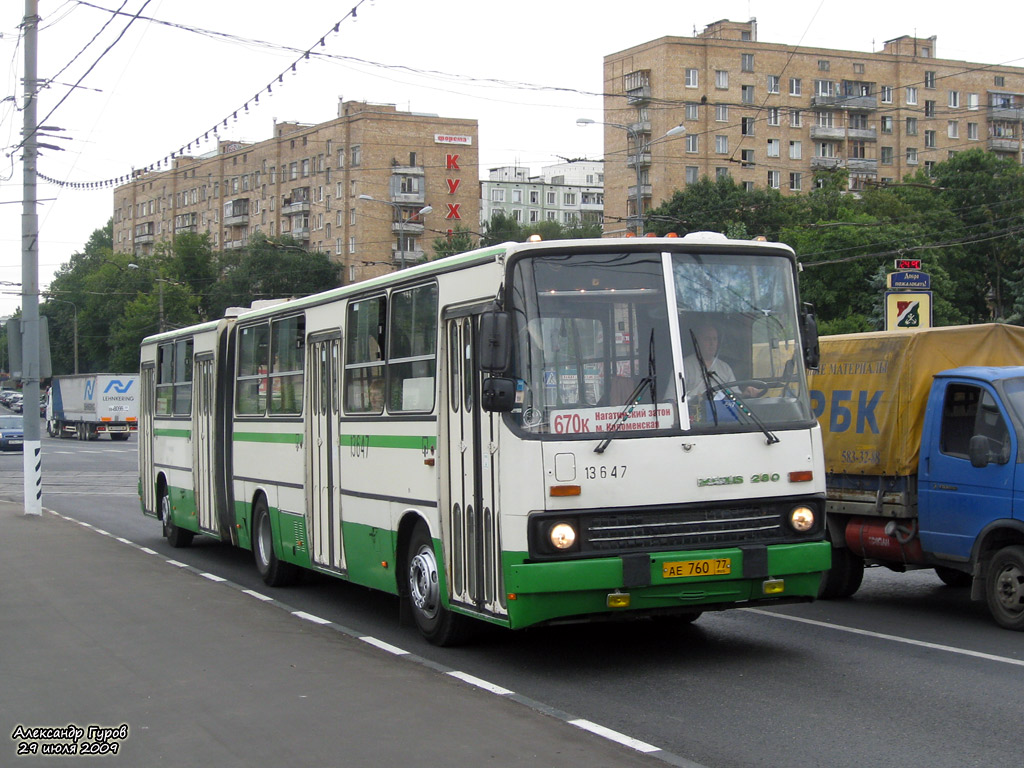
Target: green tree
x=460 y=241
x=502 y=228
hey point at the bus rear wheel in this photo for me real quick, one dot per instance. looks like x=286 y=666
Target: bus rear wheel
x=176 y=537
x=436 y=623
x=273 y=572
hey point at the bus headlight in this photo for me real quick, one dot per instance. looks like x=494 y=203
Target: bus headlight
x=801 y=519
x=562 y=536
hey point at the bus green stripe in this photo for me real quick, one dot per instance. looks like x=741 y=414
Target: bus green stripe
x=288 y=438
x=411 y=442
x=166 y=432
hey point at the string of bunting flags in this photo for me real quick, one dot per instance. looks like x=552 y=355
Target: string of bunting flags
x=167 y=161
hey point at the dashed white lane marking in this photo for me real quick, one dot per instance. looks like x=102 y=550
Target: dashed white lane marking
x=890 y=638
x=586 y=725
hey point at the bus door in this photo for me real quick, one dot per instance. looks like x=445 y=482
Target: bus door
x=323 y=482
x=147 y=407
x=474 y=546
x=203 y=443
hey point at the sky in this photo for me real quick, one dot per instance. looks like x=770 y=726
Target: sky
x=129 y=94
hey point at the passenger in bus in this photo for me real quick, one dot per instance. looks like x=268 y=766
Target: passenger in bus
x=376 y=391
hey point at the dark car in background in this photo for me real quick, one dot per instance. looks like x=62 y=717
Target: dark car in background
x=12 y=435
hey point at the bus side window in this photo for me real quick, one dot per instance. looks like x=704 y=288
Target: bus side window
x=412 y=360
x=364 y=356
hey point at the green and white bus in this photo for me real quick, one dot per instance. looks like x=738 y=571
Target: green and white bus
x=523 y=434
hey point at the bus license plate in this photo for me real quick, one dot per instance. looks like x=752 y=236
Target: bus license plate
x=688 y=569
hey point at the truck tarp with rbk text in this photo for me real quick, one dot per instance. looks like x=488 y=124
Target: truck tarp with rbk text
x=923 y=435
x=89 y=405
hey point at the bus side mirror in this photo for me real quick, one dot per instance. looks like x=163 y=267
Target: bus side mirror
x=498 y=394
x=494 y=341
x=812 y=353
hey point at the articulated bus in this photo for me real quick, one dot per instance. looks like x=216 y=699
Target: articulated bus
x=525 y=434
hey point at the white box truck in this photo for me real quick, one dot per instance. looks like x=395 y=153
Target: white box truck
x=93 y=404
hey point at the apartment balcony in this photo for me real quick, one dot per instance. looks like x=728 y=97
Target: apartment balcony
x=290 y=209
x=845 y=102
x=1012 y=114
x=415 y=256
x=825 y=163
x=1004 y=145
x=638 y=96
x=240 y=220
x=143 y=239
x=641 y=127
x=409 y=174
x=644 y=159
x=408 y=228
x=234 y=245
x=186 y=228
x=862 y=134
x=299 y=233
x=862 y=165
x=830 y=133
x=595 y=207
x=645 y=191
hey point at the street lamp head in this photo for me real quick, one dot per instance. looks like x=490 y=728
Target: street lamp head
x=584 y=121
x=365 y=197
x=424 y=210
x=679 y=130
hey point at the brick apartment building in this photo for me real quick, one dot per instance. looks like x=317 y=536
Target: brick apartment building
x=311 y=182
x=770 y=115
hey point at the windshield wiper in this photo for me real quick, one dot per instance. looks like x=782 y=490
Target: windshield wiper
x=631 y=402
x=771 y=437
x=705 y=374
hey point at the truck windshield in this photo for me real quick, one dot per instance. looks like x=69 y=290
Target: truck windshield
x=597 y=334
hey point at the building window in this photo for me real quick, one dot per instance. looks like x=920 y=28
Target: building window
x=795 y=150
x=773 y=115
x=929 y=108
x=858 y=150
x=794 y=86
x=722 y=113
x=858 y=69
x=911 y=156
x=722 y=145
x=911 y=126
x=721 y=78
x=569 y=198
x=747 y=126
x=497 y=195
x=691 y=78
x=911 y=95
x=747 y=158
x=824 y=119
x=929 y=79
x=823 y=65
x=823 y=87
x=1000 y=81
x=747 y=94
x=954 y=99
x=773 y=83
x=305 y=168
x=721 y=173
x=773 y=179
x=972 y=101
x=795 y=118
x=796 y=181
x=886 y=123
x=534 y=197
x=887 y=94
x=692 y=143
x=692 y=111
x=692 y=174
x=774 y=147
x=929 y=139
x=747 y=62
x=953 y=129
x=972 y=131
x=551 y=198
x=357 y=155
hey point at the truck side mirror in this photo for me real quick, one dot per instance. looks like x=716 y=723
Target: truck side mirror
x=812 y=353
x=498 y=395
x=494 y=341
x=977 y=449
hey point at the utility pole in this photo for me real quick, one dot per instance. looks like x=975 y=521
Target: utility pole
x=30 y=273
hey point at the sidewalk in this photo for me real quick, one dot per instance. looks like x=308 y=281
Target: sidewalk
x=96 y=632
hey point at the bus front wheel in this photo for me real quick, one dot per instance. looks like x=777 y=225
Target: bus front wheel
x=436 y=623
x=273 y=572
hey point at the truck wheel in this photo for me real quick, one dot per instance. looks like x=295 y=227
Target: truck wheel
x=176 y=537
x=273 y=572
x=436 y=623
x=844 y=578
x=1004 y=588
x=951 y=577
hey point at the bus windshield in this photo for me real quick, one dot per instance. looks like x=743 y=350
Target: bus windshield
x=601 y=345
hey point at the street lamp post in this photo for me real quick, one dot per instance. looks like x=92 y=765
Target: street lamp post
x=635 y=136
x=402 y=221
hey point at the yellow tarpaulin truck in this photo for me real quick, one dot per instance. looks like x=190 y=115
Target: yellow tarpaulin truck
x=923 y=435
